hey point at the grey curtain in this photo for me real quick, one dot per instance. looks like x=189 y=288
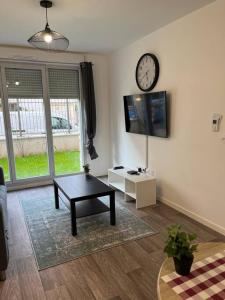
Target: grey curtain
x=89 y=105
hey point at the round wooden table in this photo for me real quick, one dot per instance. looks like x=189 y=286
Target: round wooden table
x=164 y=291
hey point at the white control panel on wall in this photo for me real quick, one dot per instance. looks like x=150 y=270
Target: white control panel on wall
x=216 y=119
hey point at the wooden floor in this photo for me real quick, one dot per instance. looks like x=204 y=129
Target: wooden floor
x=128 y=271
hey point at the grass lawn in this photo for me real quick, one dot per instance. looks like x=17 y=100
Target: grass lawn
x=37 y=165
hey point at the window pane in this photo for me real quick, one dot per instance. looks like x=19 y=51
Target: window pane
x=3 y=149
x=64 y=101
x=27 y=117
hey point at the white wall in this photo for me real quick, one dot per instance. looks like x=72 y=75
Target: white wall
x=190 y=165
x=100 y=69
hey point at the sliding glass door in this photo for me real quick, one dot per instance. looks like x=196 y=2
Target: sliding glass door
x=40 y=122
x=65 y=115
x=27 y=121
x=4 y=162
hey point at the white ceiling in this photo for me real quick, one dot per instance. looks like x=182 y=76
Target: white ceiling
x=91 y=25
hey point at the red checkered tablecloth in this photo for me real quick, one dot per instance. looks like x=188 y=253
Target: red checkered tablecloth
x=206 y=280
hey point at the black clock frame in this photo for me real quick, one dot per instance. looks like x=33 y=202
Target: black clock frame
x=156 y=62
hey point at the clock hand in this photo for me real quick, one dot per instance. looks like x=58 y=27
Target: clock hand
x=146 y=73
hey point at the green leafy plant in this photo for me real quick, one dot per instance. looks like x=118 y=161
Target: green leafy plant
x=179 y=243
x=86 y=168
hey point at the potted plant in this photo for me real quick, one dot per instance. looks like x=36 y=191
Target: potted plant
x=179 y=246
x=86 y=168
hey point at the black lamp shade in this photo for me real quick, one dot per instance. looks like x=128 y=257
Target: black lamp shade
x=48 y=39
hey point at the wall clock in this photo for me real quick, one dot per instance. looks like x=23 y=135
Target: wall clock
x=147 y=72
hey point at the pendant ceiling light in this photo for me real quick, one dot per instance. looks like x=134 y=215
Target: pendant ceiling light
x=48 y=39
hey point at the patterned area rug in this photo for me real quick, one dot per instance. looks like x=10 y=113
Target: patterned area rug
x=50 y=231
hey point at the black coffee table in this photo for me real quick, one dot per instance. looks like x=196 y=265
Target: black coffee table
x=82 y=191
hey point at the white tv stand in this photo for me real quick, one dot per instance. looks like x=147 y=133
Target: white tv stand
x=141 y=187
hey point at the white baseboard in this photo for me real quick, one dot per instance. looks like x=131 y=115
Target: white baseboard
x=193 y=215
x=34 y=184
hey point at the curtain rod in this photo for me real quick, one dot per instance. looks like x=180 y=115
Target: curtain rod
x=84 y=57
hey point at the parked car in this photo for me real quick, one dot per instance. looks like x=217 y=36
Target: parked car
x=34 y=123
x=60 y=123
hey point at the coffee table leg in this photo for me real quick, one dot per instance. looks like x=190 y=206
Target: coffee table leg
x=56 y=196
x=73 y=218
x=112 y=209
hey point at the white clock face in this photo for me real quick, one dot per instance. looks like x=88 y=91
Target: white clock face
x=146 y=72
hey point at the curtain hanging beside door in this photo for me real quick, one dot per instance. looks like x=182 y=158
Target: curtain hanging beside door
x=89 y=106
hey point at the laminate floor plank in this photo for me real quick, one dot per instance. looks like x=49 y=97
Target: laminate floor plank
x=146 y=282
x=74 y=281
x=124 y=259
x=145 y=259
x=10 y=288
x=110 y=273
x=29 y=279
x=51 y=278
x=96 y=281
x=59 y=293
x=118 y=275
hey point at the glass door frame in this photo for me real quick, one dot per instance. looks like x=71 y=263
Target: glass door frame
x=81 y=113
x=40 y=180
x=7 y=128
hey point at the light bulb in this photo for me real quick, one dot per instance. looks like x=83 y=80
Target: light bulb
x=48 y=38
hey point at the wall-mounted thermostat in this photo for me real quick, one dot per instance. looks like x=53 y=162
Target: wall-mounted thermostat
x=216 y=121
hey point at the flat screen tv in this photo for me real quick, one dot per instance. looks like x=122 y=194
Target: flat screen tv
x=146 y=114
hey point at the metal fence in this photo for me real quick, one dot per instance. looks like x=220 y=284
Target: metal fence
x=27 y=117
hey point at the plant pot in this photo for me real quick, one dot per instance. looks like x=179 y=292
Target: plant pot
x=183 y=265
